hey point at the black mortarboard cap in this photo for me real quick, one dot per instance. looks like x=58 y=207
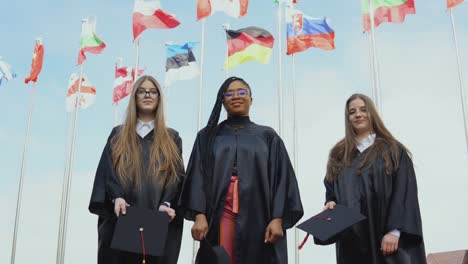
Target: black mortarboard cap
x=141 y=231
x=208 y=254
x=330 y=223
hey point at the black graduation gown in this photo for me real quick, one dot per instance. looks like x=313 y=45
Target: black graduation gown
x=106 y=188
x=267 y=189
x=389 y=202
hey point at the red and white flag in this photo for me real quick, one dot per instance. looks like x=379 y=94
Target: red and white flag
x=148 y=14
x=87 y=93
x=123 y=82
x=233 y=8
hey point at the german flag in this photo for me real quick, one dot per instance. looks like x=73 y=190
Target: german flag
x=246 y=44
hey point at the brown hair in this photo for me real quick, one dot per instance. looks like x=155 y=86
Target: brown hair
x=385 y=144
x=126 y=150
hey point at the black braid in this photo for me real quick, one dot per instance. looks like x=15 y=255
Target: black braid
x=208 y=135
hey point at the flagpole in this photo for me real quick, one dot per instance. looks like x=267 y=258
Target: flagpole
x=137 y=57
x=64 y=186
x=460 y=77
x=371 y=65
x=226 y=27
x=295 y=149
x=202 y=66
x=118 y=64
x=23 y=170
x=166 y=100
x=71 y=157
x=69 y=174
x=196 y=244
x=375 y=59
x=280 y=73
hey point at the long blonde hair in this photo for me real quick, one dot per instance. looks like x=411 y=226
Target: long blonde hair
x=385 y=144
x=164 y=157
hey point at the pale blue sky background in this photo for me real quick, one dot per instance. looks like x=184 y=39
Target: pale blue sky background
x=419 y=100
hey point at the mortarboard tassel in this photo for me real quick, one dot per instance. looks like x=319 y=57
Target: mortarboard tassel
x=143 y=245
x=307 y=236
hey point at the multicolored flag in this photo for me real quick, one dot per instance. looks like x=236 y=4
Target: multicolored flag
x=453 y=3
x=89 y=41
x=246 y=44
x=148 y=14
x=36 y=64
x=123 y=82
x=233 y=8
x=87 y=93
x=391 y=11
x=304 y=32
x=180 y=63
x=6 y=72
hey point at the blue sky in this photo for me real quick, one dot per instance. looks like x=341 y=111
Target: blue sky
x=420 y=105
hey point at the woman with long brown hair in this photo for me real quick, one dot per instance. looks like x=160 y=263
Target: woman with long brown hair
x=141 y=166
x=371 y=171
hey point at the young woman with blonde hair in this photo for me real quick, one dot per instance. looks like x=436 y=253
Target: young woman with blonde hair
x=141 y=166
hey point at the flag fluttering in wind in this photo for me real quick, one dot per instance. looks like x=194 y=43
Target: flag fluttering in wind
x=453 y=3
x=89 y=41
x=181 y=63
x=386 y=11
x=233 y=8
x=304 y=32
x=6 y=72
x=246 y=44
x=285 y=1
x=36 y=64
x=123 y=82
x=148 y=14
x=87 y=93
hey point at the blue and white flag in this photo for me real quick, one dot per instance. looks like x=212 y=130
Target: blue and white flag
x=180 y=63
x=6 y=73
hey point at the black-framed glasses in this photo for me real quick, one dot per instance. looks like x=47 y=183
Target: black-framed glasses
x=241 y=92
x=141 y=92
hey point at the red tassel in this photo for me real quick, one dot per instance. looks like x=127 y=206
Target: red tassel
x=143 y=245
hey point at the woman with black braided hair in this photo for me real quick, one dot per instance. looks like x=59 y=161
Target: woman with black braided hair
x=241 y=190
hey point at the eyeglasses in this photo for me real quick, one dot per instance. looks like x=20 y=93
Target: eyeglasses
x=141 y=92
x=240 y=92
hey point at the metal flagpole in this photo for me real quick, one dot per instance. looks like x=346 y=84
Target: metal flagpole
x=64 y=187
x=226 y=71
x=137 y=57
x=166 y=99
x=460 y=78
x=377 y=98
x=68 y=176
x=196 y=244
x=280 y=72
x=118 y=64
x=295 y=149
x=371 y=64
x=71 y=157
x=202 y=66
x=23 y=170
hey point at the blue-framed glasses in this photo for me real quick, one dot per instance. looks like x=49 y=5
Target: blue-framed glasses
x=240 y=92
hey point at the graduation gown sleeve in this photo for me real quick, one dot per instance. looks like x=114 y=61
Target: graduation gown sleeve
x=105 y=187
x=287 y=203
x=404 y=213
x=176 y=227
x=193 y=198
